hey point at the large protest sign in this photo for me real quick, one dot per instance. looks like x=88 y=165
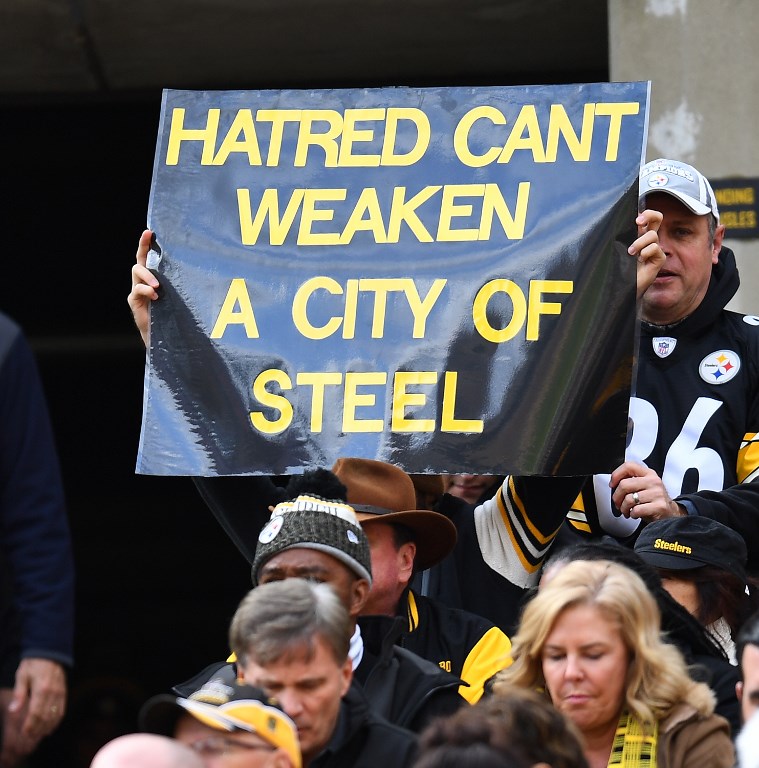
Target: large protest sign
x=433 y=277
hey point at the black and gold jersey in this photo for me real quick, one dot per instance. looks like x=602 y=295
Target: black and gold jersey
x=695 y=414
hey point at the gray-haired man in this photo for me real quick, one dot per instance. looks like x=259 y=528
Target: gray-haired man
x=291 y=639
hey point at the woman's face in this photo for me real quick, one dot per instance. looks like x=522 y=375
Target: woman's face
x=585 y=664
x=684 y=591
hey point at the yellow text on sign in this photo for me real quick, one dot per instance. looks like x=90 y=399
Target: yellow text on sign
x=528 y=308
x=361 y=389
x=378 y=288
x=526 y=134
x=237 y=307
x=355 y=138
x=454 y=213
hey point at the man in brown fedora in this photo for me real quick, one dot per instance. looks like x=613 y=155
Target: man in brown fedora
x=489 y=556
x=404 y=541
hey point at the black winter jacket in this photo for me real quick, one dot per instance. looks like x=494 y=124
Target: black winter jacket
x=363 y=739
x=404 y=688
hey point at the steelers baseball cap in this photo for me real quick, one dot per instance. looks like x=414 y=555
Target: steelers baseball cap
x=685 y=543
x=681 y=181
x=227 y=707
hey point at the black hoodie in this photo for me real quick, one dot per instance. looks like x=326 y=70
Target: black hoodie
x=696 y=413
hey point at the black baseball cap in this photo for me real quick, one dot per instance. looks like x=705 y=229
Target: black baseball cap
x=684 y=543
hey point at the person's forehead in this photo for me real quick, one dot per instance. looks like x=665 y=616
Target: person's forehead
x=190 y=730
x=304 y=558
x=377 y=530
x=247 y=737
x=299 y=663
x=586 y=620
x=671 y=207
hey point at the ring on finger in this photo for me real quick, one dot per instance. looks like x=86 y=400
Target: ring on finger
x=636 y=498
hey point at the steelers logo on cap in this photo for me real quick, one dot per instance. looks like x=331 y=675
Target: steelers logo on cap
x=720 y=367
x=270 y=531
x=658 y=180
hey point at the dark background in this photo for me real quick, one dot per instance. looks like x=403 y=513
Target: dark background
x=157 y=579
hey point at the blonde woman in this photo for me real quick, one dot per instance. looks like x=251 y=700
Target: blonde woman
x=590 y=638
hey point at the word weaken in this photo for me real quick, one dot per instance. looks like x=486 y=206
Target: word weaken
x=462 y=212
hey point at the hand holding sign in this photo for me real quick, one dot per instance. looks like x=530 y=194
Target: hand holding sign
x=144 y=287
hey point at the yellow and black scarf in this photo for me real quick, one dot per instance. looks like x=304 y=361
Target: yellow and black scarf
x=634 y=744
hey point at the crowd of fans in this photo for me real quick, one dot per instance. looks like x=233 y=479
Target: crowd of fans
x=469 y=620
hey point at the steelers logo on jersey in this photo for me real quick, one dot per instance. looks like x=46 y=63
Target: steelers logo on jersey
x=720 y=367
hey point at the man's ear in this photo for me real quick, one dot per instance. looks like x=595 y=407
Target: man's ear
x=347 y=676
x=406 y=555
x=739 y=690
x=719 y=234
x=359 y=596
